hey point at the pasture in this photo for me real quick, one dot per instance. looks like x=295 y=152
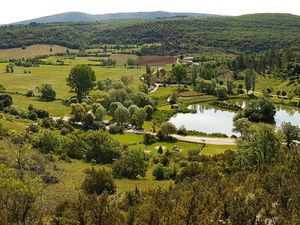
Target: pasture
x=56 y=76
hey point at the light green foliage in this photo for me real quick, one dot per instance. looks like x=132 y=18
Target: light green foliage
x=100 y=113
x=132 y=109
x=259 y=146
x=221 y=92
x=78 y=112
x=291 y=133
x=130 y=165
x=168 y=128
x=138 y=117
x=121 y=115
x=113 y=107
x=48 y=141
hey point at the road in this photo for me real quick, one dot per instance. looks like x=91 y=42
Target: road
x=194 y=139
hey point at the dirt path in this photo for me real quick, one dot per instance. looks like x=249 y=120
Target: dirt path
x=206 y=140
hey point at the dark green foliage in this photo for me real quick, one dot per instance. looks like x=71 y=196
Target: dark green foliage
x=249 y=33
x=94 y=145
x=5 y=101
x=47 y=92
x=259 y=110
x=98 y=182
x=149 y=139
x=81 y=80
x=29 y=93
x=32 y=115
x=161 y=172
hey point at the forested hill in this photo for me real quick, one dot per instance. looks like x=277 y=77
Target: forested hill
x=84 y=17
x=248 y=33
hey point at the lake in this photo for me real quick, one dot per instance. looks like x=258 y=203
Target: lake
x=210 y=119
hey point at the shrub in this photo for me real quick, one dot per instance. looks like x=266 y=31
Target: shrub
x=50 y=179
x=29 y=93
x=182 y=131
x=98 y=182
x=163 y=173
x=5 y=101
x=47 y=92
x=32 y=115
x=48 y=122
x=131 y=165
x=47 y=142
x=34 y=128
x=149 y=139
x=116 y=129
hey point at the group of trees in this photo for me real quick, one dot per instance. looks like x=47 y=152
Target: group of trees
x=258 y=110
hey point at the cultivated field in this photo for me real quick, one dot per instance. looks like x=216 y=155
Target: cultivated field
x=30 y=51
x=156 y=60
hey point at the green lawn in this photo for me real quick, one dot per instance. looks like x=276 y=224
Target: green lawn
x=136 y=139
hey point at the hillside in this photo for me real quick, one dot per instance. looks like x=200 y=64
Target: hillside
x=84 y=17
x=248 y=33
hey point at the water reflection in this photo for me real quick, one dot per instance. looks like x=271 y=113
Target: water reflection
x=210 y=119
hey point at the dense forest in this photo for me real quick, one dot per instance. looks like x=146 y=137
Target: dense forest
x=249 y=33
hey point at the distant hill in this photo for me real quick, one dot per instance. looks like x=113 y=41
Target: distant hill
x=170 y=36
x=84 y=17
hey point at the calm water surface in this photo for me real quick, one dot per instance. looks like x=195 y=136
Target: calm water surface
x=209 y=119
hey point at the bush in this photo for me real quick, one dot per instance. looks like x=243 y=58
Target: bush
x=49 y=179
x=182 y=131
x=48 y=122
x=131 y=165
x=116 y=129
x=29 y=93
x=98 y=182
x=34 y=128
x=149 y=139
x=41 y=113
x=47 y=92
x=64 y=131
x=47 y=142
x=163 y=173
x=5 y=101
x=32 y=115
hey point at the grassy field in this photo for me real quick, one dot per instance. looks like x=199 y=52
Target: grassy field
x=121 y=59
x=71 y=175
x=56 y=76
x=55 y=108
x=30 y=51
